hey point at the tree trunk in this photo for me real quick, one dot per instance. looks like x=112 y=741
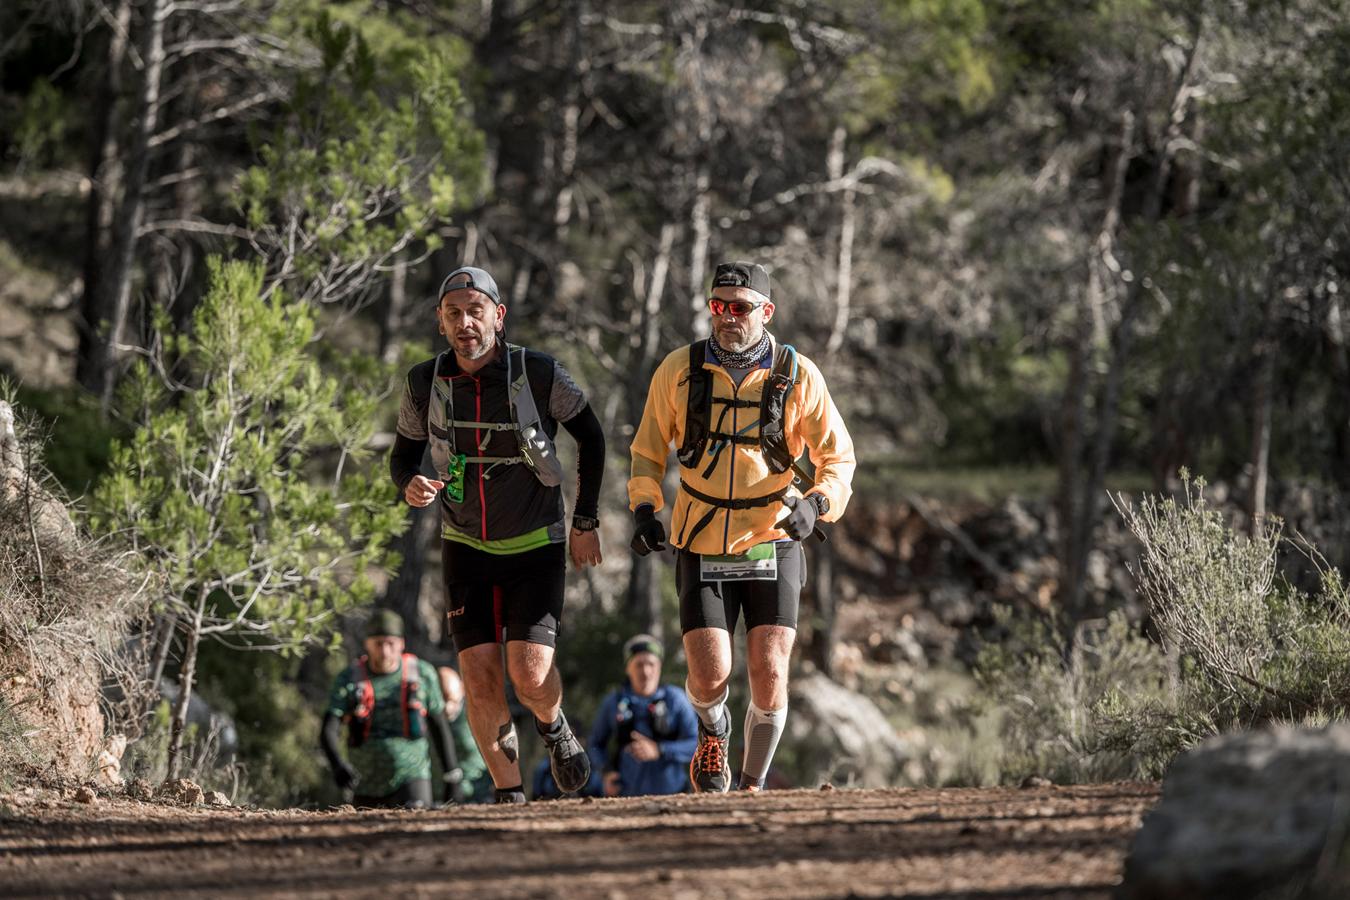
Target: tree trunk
x=165 y=627
x=115 y=291
x=848 y=214
x=391 y=326
x=570 y=120
x=700 y=200
x=404 y=592
x=819 y=593
x=1340 y=366
x=1073 y=410
x=821 y=590
x=1262 y=403
x=105 y=178
x=1263 y=400
x=643 y=598
x=187 y=677
x=1123 y=338
x=700 y=228
x=1189 y=171
x=185 y=276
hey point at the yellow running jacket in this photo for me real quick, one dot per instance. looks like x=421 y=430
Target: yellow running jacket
x=739 y=471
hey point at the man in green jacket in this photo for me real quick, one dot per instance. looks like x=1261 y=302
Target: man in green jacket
x=390 y=702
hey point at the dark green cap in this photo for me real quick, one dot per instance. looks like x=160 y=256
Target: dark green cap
x=642 y=643
x=384 y=623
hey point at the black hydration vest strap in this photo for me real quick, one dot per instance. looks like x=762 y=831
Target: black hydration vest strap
x=733 y=502
x=773 y=410
x=718 y=503
x=699 y=408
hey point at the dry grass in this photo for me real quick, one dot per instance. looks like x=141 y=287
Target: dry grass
x=66 y=611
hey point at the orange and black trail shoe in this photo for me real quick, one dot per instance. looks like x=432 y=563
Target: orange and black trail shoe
x=710 y=770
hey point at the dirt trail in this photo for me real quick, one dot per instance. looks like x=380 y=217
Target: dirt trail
x=1040 y=842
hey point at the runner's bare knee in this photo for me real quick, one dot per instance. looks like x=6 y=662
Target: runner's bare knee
x=481 y=669
x=708 y=651
x=531 y=669
x=768 y=654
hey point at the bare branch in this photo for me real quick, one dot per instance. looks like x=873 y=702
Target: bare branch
x=215 y=115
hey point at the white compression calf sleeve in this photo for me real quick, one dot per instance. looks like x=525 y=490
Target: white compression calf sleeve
x=710 y=711
x=763 y=728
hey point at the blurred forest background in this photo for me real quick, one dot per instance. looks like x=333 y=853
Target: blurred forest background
x=1042 y=250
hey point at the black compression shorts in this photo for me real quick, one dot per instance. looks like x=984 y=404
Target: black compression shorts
x=489 y=594
x=713 y=604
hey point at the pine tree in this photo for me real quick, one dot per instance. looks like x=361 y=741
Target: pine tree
x=241 y=492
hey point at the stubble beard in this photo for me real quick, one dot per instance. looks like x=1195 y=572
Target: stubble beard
x=485 y=346
x=384 y=665
x=740 y=345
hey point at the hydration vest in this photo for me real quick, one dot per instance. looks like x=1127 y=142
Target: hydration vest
x=360 y=719
x=772 y=438
x=625 y=723
x=702 y=437
x=536 y=448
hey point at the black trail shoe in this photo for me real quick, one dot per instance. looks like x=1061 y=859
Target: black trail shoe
x=567 y=758
x=710 y=770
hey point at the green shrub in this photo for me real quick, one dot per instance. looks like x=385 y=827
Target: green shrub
x=1251 y=647
x=1239 y=647
x=1052 y=691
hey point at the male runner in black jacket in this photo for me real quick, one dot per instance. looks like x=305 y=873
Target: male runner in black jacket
x=490 y=412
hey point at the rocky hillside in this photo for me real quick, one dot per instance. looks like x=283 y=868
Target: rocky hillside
x=62 y=618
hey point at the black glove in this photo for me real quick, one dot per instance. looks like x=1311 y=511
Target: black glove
x=648 y=532
x=455 y=789
x=802 y=515
x=345 y=776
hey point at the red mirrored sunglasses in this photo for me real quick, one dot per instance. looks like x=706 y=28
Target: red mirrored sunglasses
x=736 y=307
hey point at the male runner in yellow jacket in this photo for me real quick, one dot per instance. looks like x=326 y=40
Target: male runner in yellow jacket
x=740 y=408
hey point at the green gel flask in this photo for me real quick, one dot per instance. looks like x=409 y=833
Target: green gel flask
x=454 y=477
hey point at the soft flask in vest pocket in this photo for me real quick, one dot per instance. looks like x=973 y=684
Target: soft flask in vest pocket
x=536 y=449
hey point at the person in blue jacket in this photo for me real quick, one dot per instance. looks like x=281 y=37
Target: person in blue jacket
x=645 y=732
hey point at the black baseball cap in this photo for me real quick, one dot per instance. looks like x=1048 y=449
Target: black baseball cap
x=742 y=274
x=477 y=279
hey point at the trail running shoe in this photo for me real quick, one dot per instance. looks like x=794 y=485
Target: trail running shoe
x=509 y=796
x=710 y=770
x=567 y=758
x=754 y=785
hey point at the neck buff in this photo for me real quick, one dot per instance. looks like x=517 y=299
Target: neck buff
x=746 y=359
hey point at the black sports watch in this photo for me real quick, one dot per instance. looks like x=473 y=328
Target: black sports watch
x=585 y=523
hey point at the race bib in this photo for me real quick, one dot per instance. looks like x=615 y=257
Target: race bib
x=759 y=564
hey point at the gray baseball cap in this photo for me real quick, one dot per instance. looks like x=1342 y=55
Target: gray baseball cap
x=477 y=279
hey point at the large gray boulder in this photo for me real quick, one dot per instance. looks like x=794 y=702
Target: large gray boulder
x=843 y=737
x=1246 y=813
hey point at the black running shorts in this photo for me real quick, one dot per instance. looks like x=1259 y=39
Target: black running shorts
x=488 y=595
x=712 y=604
